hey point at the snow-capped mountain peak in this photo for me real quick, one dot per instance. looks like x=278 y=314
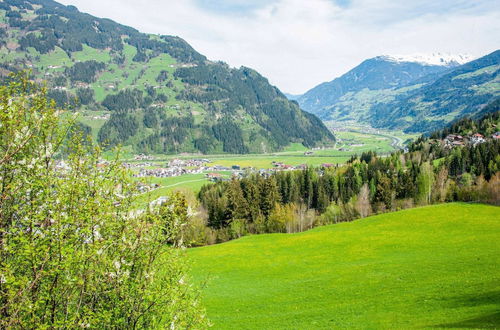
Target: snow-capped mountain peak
x=441 y=59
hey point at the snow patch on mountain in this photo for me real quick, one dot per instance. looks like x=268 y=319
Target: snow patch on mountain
x=441 y=59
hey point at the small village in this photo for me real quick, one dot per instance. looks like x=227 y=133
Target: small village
x=455 y=140
x=177 y=167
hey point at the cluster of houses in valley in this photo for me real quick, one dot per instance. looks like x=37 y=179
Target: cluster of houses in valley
x=188 y=163
x=177 y=167
x=136 y=165
x=143 y=157
x=455 y=140
x=167 y=172
x=283 y=166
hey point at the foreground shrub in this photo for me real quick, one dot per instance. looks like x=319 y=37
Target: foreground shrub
x=73 y=253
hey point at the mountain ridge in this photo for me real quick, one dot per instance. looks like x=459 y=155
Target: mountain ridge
x=151 y=93
x=439 y=59
x=394 y=94
x=464 y=91
x=373 y=74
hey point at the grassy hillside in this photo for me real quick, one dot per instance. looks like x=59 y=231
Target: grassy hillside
x=153 y=94
x=435 y=266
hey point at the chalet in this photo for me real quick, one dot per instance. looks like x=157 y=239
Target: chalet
x=143 y=157
x=453 y=140
x=214 y=176
x=176 y=162
x=477 y=139
x=221 y=168
x=496 y=136
x=453 y=137
x=265 y=173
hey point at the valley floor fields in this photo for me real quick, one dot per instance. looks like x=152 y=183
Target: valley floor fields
x=348 y=144
x=431 y=267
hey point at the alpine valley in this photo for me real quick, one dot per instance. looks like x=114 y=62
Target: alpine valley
x=412 y=93
x=149 y=93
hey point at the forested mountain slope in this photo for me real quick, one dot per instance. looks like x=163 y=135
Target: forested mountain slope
x=466 y=90
x=153 y=93
x=350 y=96
x=414 y=97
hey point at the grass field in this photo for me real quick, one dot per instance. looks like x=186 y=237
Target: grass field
x=265 y=161
x=435 y=267
x=192 y=182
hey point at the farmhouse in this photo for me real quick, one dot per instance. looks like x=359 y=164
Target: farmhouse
x=214 y=176
x=453 y=140
x=143 y=157
x=477 y=139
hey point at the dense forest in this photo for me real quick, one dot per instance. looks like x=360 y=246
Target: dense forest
x=297 y=200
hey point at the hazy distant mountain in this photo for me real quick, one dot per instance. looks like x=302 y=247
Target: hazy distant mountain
x=350 y=96
x=465 y=90
x=151 y=93
x=416 y=93
x=292 y=97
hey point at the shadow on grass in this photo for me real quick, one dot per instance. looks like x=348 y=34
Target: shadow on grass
x=488 y=321
x=485 y=321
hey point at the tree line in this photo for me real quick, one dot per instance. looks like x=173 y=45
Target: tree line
x=368 y=184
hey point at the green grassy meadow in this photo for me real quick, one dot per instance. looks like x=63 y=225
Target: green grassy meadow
x=430 y=267
x=190 y=182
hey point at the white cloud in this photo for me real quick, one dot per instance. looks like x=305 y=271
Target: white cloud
x=298 y=44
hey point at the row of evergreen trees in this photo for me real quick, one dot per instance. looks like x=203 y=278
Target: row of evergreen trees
x=367 y=184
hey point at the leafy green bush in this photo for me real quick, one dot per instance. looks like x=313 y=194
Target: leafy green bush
x=73 y=252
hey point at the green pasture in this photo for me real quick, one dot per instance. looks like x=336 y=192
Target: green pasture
x=430 y=267
x=192 y=182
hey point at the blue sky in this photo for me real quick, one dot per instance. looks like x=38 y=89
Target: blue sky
x=298 y=44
